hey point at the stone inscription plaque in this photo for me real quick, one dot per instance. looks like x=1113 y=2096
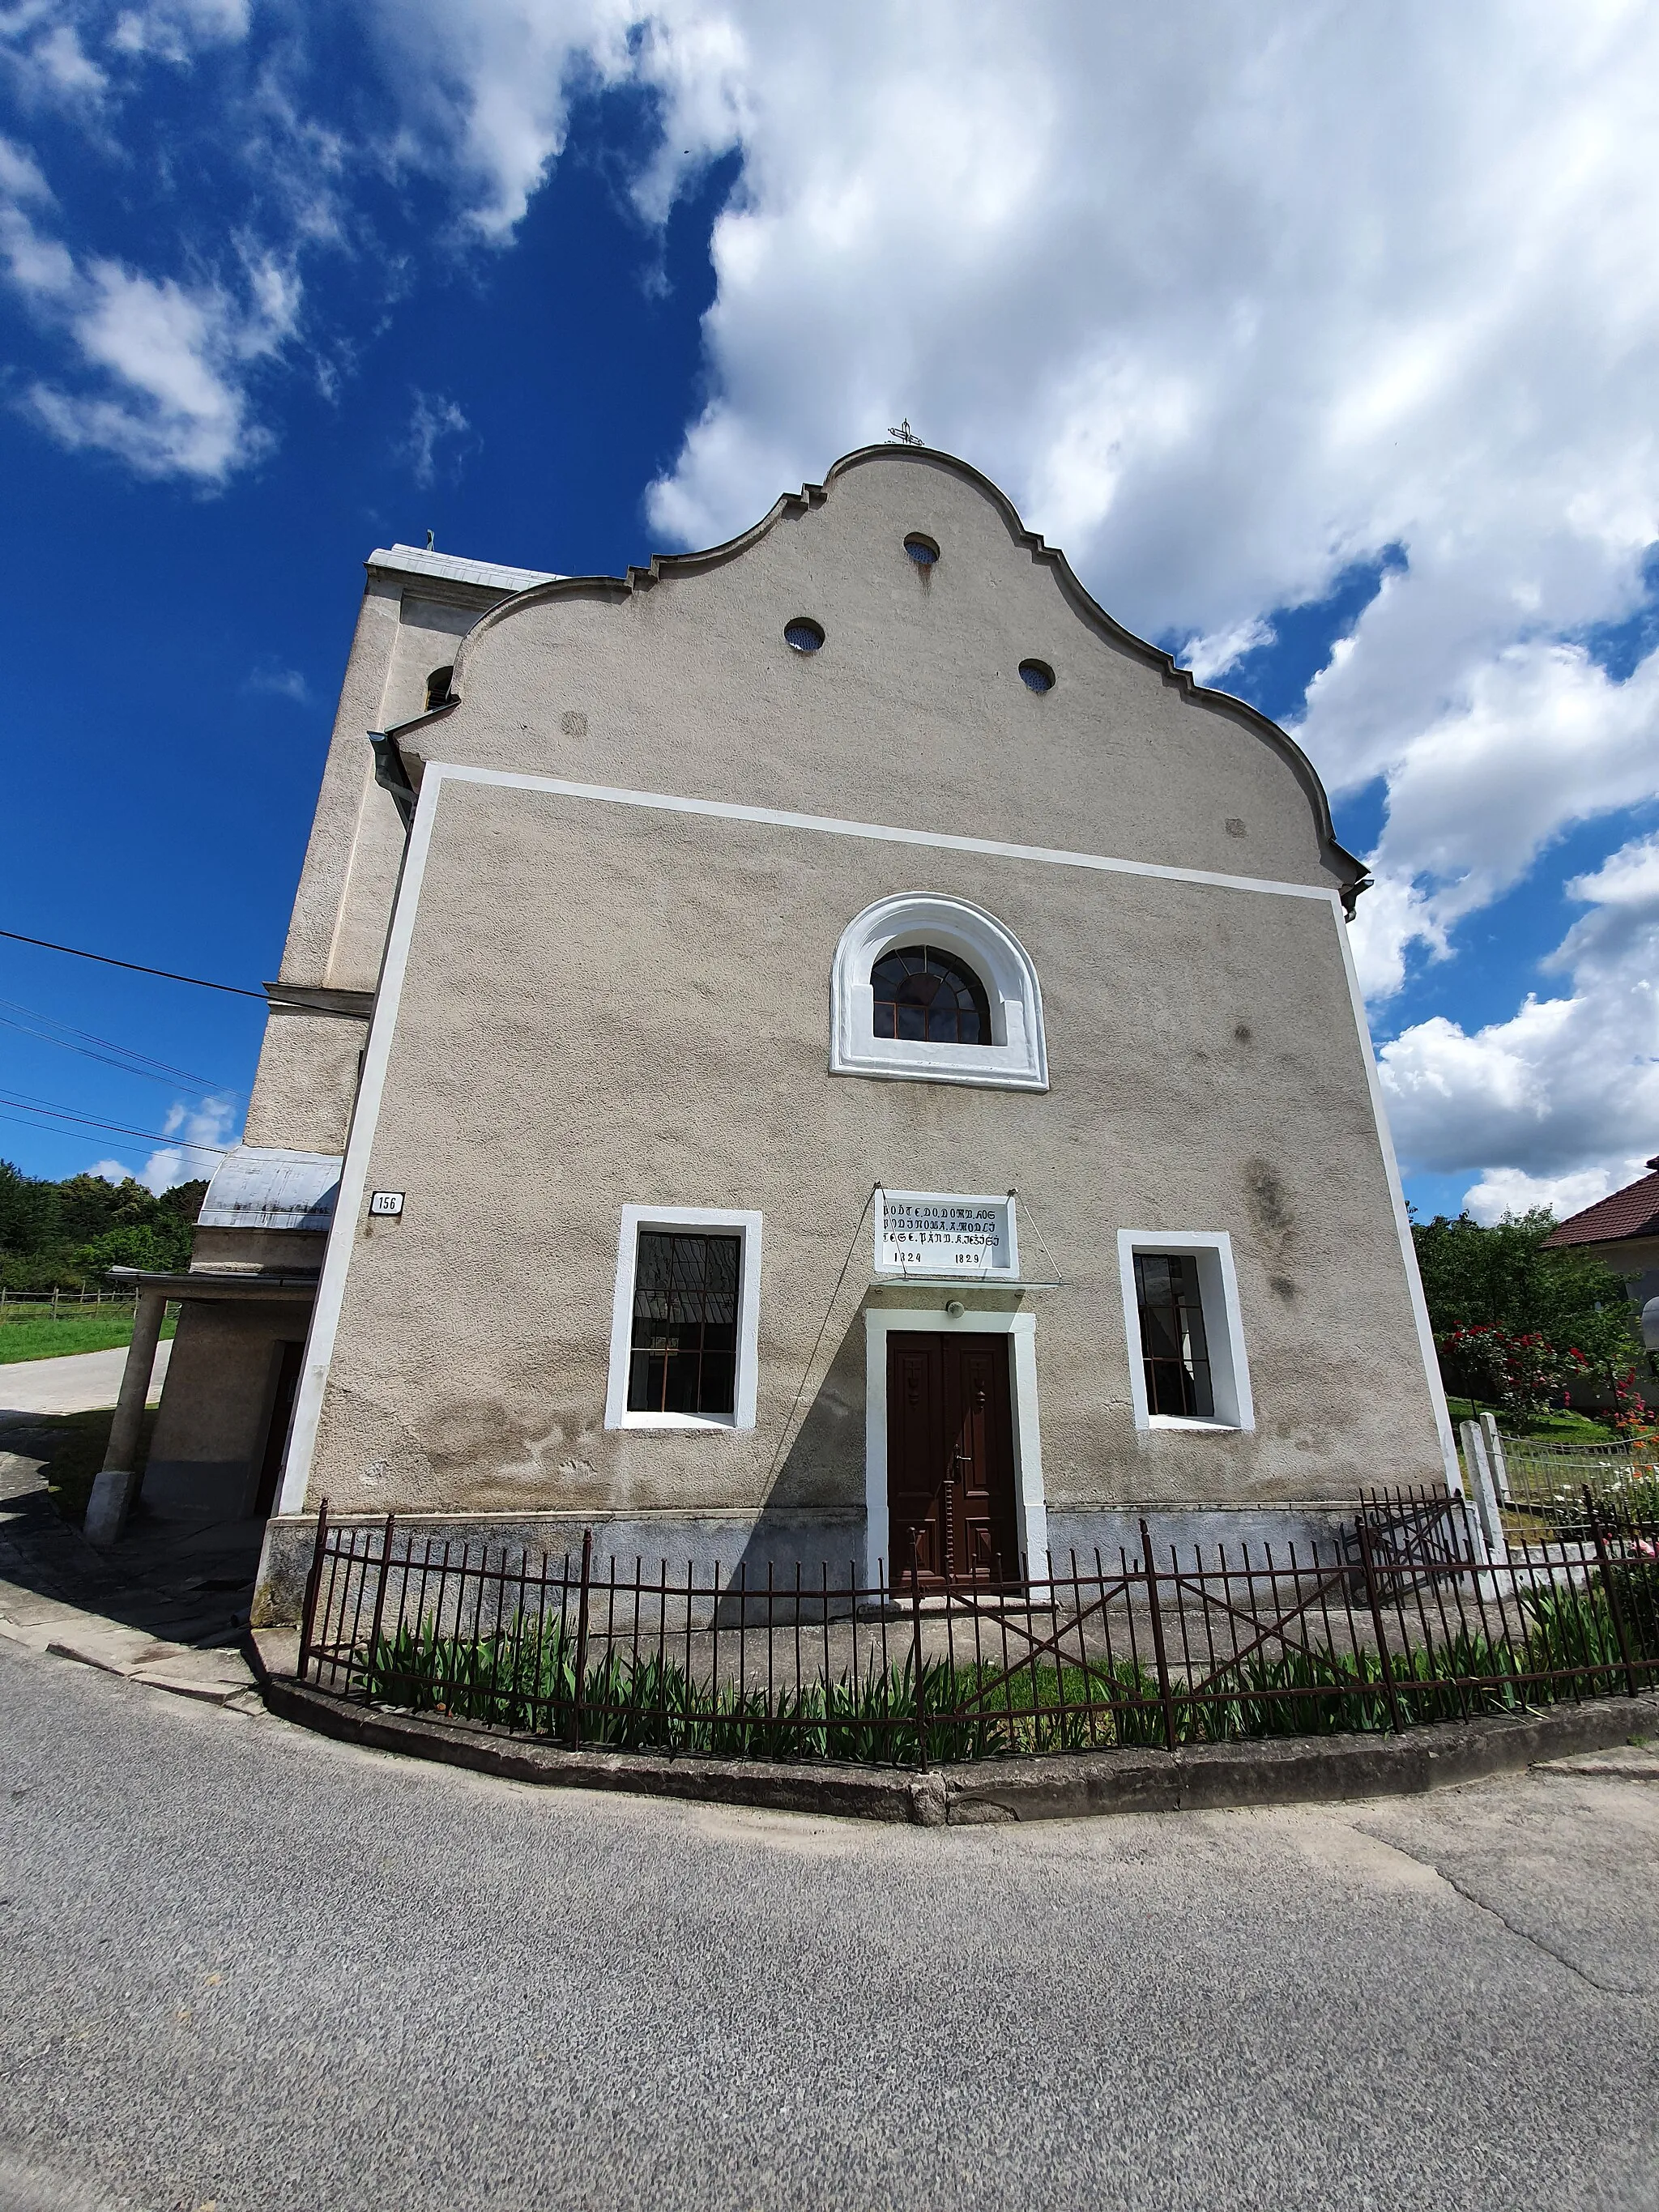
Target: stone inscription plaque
x=923 y=1232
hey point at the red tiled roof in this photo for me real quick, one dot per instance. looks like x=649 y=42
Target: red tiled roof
x=1632 y=1211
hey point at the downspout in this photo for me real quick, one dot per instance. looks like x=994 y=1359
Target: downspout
x=1350 y=893
x=392 y=773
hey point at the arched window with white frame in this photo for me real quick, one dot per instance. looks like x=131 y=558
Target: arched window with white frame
x=930 y=989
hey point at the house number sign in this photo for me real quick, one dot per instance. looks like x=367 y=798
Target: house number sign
x=386 y=1202
x=934 y=1233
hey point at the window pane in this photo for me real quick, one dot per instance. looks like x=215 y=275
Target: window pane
x=1173 y=1344
x=922 y=993
x=651 y=1280
x=685 y=1324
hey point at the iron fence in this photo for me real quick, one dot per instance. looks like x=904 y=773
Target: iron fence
x=1543 y=1474
x=1394 y=1622
x=1419 y=1529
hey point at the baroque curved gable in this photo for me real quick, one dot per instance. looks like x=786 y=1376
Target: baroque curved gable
x=1347 y=871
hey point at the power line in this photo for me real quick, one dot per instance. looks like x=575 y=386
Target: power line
x=172 y=1143
x=90 y=1037
x=148 y=1136
x=135 y=967
x=90 y=1122
x=119 y=1056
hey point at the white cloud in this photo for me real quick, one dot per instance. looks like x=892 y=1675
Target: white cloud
x=1563 y=1097
x=174 y=30
x=1212 y=656
x=40 y=42
x=484 y=89
x=63 y=62
x=1538 y=738
x=1225 y=308
x=211 y=1121
x=280 y=683
x=114 y=1171
x=1393 y=915
x=20 y=174
x=432 y=419
x=172 y=360
x=1226 y=311
x=1507 y=1190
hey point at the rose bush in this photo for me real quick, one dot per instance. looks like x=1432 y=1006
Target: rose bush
x=1519 y=1370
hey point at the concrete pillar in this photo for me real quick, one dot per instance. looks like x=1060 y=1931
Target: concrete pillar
x=1499 y=1465
x=117 y=1484
x=1485 y=1491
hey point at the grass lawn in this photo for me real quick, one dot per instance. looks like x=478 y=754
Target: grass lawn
x=1563 y=1428
x=31 y=1333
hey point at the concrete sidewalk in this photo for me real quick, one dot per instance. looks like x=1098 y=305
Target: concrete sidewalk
x=217 y=1676
x=79 y=1383
x=168 y=1607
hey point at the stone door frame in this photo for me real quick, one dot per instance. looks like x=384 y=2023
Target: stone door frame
x=1031 y=1503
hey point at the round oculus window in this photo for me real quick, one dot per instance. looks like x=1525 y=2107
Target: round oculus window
x=1036 y=676
x=922 y=550
x=803 y=635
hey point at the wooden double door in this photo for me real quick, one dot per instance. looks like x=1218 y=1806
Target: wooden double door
x=950 y=1458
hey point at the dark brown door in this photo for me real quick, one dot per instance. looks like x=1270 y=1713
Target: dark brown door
x=290 y=1359
x=950 y=1458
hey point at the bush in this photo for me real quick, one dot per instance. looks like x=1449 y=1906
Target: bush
x=1533 y=1303
x=1520 y=1373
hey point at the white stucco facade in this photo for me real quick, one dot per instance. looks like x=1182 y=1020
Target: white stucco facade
x=601 y=961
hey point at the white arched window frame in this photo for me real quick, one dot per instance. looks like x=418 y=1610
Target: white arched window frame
x=1015 y=1060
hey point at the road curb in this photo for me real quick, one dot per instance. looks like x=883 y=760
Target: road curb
x=1207 y=1777
x=212 y=1674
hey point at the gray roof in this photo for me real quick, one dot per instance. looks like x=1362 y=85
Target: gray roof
x=262 y=1187
x=451 y=568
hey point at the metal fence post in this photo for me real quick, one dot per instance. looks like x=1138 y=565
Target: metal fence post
x=916 y=1648
x=1376 y=1623
x=379 y=1599
x=1158 y=1639
x=582 y=1643
x=1488 y=1518
x=313 y=1583
x=1611 y=1589
x=1495 y=1458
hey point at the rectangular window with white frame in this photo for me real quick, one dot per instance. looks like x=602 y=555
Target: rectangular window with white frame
x=685 y=1321
x=1188 y=1367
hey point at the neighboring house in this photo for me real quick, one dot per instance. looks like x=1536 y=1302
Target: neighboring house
x=830 y=1049
x=1623 y=1231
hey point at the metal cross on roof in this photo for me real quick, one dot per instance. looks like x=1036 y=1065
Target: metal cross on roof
x=903 y=435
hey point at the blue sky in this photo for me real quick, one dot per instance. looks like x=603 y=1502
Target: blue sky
x=1328 y=356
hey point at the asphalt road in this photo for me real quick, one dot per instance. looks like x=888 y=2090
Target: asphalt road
x=75 y=1383
x=246 y=1968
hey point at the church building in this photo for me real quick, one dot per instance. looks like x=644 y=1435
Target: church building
x=827 y=1050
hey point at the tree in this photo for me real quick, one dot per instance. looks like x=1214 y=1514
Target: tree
x=28 y=1210
x=1514 y=1321
x=160 y=1246
x=66 y=1234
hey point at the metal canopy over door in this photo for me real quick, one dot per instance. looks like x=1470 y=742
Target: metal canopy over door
x=951 y=1458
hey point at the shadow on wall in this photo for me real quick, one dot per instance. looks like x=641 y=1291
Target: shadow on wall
x=812 y=1516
